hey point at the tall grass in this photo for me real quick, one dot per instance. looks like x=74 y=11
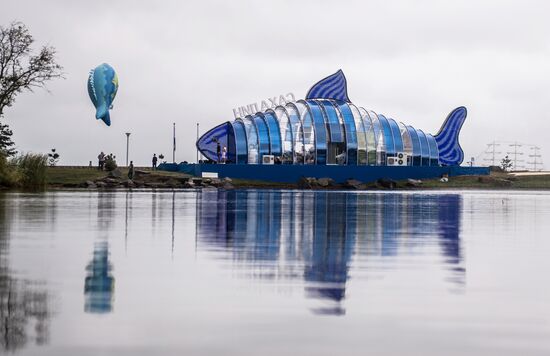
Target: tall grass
x=8 y=175
x=31 y=170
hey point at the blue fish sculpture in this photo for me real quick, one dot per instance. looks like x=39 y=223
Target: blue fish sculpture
x=326 y=123
x=102 y=89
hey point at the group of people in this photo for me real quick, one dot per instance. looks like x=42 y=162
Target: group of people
x=102 y=158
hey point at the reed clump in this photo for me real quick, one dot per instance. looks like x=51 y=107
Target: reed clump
x=26 y=171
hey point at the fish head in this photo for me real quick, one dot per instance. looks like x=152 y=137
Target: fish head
x=212 y=143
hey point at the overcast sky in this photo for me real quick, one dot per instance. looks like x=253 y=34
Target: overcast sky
x=194 y=61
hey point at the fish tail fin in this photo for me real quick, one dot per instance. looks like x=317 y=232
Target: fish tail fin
x=103 y=114
x=107 y=119
x=450 y=152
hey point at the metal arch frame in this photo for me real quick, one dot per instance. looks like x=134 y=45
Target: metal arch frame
x=405 y=133
x=419 y=131
x=250 y=118
x=346 y=123
x=359 y=120
x=433 y=157
x=385 y=127
x=316 y=140
x=325 y=104
x=300 y=132
x=289 y=123
x=396 y=135
x=260 y=120
x=365 y=116
x=239 y=122
x=274 y=118
x=412 y=131
x=379 y=134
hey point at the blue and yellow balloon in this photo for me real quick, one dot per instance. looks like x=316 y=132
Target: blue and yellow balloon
x=102 y=88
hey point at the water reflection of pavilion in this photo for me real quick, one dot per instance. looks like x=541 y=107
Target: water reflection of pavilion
x=314 y=235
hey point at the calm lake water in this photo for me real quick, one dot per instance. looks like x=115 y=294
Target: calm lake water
x=275 y=273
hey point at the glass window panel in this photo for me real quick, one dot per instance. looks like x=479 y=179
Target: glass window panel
x=274 y=134
x=285 y=129
x=320 y=131
x=346 y=116
x=252 y=140
x=336 y=146
x=336 y=130
x=309 y=132
x=396 y=133
x=240 y=142
x=434 y=152
x=361 y=135
x=370 y=136
x=417 y=151
x=297 y=133
x=407 y=142
x=263 y=136
x=388 y=138
x=380 y=138
x=425 y=149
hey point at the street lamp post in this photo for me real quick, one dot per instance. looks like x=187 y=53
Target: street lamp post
x=127 y=146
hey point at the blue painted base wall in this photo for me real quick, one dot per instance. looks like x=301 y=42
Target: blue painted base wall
x=292 y=173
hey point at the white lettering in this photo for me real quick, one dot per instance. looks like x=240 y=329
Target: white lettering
x=270 y=103
x=273 y=102
x=244 y=111
x=253 y=108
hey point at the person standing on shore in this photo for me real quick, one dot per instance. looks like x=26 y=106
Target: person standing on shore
x=101 y=161
x=131 y=170
x=154 y=161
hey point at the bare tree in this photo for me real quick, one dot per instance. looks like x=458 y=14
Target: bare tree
x=21 y=69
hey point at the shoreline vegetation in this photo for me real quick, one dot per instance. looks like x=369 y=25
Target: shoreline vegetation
x=78 y=177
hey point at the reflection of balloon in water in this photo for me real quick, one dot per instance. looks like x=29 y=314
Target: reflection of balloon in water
x=102 y=88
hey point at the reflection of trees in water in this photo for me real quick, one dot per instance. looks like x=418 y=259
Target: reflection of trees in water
x=315 y=234
x=24 y=305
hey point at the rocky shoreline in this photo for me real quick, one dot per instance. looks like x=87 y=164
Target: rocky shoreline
x=144 y=178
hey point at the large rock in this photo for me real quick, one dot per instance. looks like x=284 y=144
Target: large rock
x=414 y=183
x=138 y=183
x=189 y=184
x=100 y=184
x=386 y=183
x=325 y=182
x=307 y=183
x=90 y=184
x=227 y=179
x=227 y=186
x=353 y=184
x=129 y=183
x=117 y=173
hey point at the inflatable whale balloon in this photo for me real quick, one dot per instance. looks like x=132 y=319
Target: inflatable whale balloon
x=102 y=88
